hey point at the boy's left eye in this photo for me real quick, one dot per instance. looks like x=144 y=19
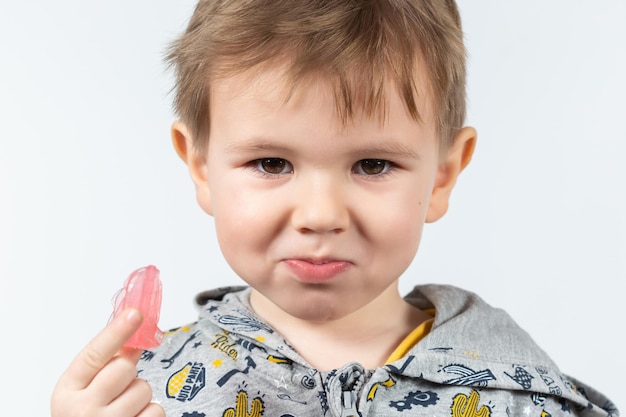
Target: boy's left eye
x=273 y=166
x=372 y=166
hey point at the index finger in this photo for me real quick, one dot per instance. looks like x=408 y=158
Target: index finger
x=101 y=349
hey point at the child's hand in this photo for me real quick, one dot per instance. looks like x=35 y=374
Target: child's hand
x=102 y=380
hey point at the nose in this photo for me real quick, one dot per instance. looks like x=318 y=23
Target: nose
x=321 y=206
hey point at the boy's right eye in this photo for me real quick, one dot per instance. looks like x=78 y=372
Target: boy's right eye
x=273 y=166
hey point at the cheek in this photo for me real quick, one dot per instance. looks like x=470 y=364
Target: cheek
x=403 y=233
x=236 y=238
x=233 y=216
x=403 y=211
x=397 y=224
x=243 y=222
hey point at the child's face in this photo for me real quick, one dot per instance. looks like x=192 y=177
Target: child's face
x=319 y=218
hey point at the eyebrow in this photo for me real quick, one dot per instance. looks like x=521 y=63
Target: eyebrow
x=388 y=148
x=384 y=148
x=254 y=145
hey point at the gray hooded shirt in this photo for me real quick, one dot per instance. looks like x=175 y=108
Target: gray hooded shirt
x=475 y=362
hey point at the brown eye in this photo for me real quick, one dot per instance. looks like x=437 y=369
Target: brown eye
x=372 y=166
x=274 y=166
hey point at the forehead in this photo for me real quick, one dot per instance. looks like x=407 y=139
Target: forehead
x=262 y=110
x=359 y=94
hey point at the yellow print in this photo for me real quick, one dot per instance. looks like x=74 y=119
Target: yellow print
x=464 y=406
x=242 y=407
x=472 y=354
x=225 y=344
x=185 y=329
x=187 y=382
x=387 y=384
x=279 y=360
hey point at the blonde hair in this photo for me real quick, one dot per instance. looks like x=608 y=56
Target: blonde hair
x=355 y=44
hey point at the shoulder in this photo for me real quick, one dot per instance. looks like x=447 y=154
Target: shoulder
x=466 y=322
x=474 y=343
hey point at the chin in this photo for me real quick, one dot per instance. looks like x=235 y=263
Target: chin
x=319 y=306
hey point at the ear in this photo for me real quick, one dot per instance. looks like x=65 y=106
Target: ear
x=196 y=162
x=457 y=158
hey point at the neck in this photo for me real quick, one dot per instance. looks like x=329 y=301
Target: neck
x=367 y=336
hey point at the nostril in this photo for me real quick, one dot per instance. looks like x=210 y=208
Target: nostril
x=320 y=221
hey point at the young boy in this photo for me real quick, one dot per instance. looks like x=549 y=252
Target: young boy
x=321 y=136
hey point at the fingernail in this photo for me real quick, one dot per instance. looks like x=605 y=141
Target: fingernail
x=133 y=316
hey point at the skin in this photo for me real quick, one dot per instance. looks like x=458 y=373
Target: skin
x=321 y=219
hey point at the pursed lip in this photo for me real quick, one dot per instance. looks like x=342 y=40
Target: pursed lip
x=316 y=270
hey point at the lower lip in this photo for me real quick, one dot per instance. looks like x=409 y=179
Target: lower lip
x=312 y=273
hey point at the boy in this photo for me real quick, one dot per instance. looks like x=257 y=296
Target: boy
x=321 y=136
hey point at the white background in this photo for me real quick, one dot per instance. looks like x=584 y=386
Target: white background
x=90 y=187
